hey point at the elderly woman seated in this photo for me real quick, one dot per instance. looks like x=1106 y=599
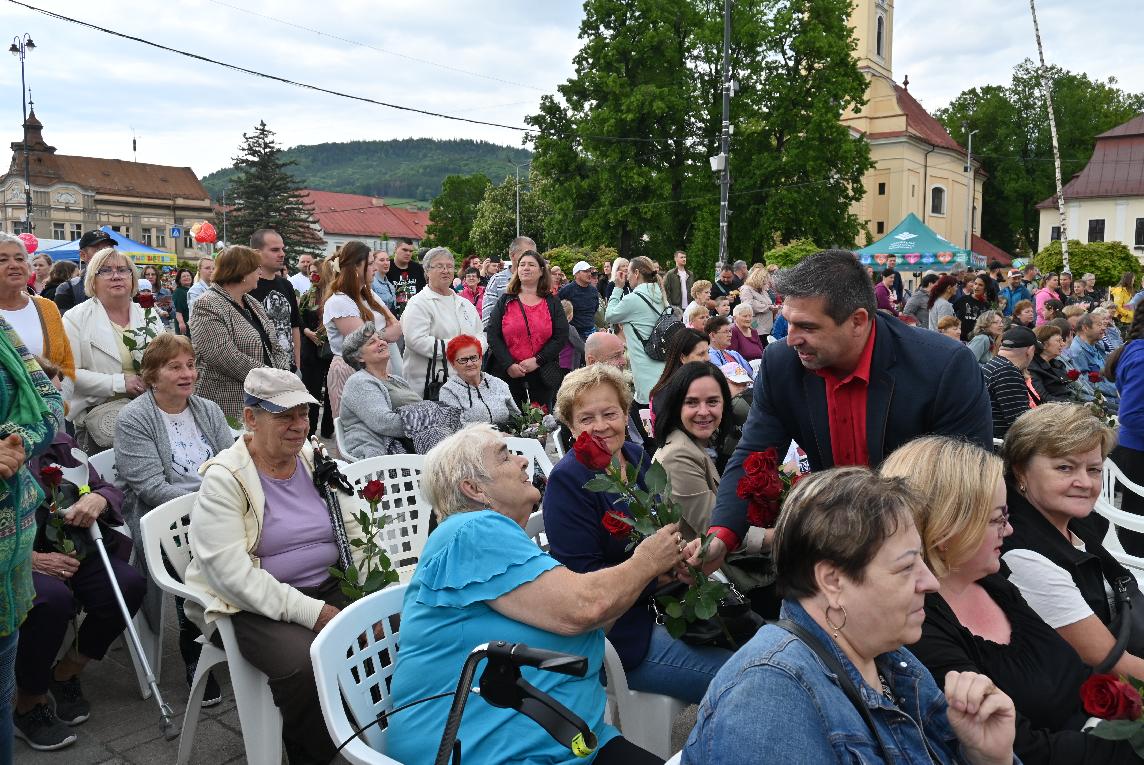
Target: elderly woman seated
x=849 y=564
x=480 y=396
x=481 y=579
x=263 y=540
x=372 y=396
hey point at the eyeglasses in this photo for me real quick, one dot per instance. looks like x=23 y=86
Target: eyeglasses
x=109 y=272
x=1002 y=522
x=466 y=360
x=440 y=267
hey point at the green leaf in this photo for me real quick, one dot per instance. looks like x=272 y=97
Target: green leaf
x=336 y=573
x=351 y=592
x=655 y=479
x=1116 y=730
x=603 y=484
x=706 y=608
x=675 y=627
x=234 y=424
x=671 y=606
x=131 y=343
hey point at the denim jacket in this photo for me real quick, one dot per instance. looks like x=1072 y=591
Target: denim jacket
x=383 y=288
x=775 y=701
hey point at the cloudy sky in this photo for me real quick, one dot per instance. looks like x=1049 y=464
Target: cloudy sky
x=489 y=60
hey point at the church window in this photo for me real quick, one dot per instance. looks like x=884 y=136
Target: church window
x=1139 y=241
x=937 y=200
x=880 y=37
x=881 y=189
x=881 y=226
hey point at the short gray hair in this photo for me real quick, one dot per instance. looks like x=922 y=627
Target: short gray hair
x=355 y=341
x=520 y=244
x=835 y=275
x=742 y=309
x=6 y=238
x=739 y=264
x=1085 y=322
x=436 y=254
x=460 y=457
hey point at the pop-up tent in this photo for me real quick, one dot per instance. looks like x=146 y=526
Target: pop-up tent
x=137 y=251
x=918 y=248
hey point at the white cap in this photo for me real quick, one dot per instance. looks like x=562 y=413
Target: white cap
x=145 y=284
x=734 y=372
x=582 y=265
x=275 y=390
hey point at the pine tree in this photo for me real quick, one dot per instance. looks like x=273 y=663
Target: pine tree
x=266 y=195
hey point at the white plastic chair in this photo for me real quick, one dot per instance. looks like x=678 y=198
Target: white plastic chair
x=534 y=450
x=677 y=759
x=1119 y=519
x=166 y=529
x=353 y=668
x=407 y=530
x=645 y=719
x=340 y=440
x=535 y=530
x=104 y=464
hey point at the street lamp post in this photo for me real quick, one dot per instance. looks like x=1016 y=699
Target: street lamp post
x=969 y=190
x=515 y=165
x=20 y=47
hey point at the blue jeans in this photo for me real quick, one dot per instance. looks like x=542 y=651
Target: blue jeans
x=677 y=669
x=7 y=691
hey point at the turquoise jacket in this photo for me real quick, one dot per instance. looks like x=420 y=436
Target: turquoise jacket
x=638 y=320
x=20 y=495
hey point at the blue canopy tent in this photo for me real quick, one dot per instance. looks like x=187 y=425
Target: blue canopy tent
x=137 y=251
x=918 y=248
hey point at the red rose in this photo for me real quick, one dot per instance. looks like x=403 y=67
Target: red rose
x=1073 y=374
x=1110 y=698
x=592 y=452
x=615 y=526
x=1094 y=377
x=373 y=491
x=145 y=300
x=315 y=278
x=543 y=409
x=51 y=475
x=762 y=513
x=761 y=462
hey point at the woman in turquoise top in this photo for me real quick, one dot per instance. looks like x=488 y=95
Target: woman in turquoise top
x=482 y=579
x=637 y=312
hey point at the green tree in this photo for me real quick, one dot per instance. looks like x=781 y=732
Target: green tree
x=494 y=226
x=787 y=255
x=451 y=218
x=266 y=196
x=1106 y=260
x=1014 y=146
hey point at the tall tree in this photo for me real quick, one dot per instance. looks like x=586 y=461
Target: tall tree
x=454 y=210
x=1016 y=146
x=495 y=224
x=266 y=196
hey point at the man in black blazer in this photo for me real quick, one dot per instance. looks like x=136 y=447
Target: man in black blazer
x=850 y=385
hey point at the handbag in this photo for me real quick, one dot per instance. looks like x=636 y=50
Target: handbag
x=101 y=420
x=550 y=374
x=669 y=321
x=437 y=374
x=734 y=614
x=1127 y=622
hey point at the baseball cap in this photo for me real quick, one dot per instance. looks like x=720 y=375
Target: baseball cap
x=582 y=265
x=734 y=372
x=275 y=390
x=98 y=236
x=1014 y=272
x=1020 y=337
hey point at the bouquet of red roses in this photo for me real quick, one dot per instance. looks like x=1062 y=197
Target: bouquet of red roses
x=764 y=487
x=1117 y=701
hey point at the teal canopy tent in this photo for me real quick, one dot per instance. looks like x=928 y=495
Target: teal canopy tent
x=137 y=251
x=918 y=248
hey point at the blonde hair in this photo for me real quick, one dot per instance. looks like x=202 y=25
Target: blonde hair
x=460 y=457
x=954 y=502
x=1074 y=310
x=945 y=322
x=99 y=260
x=697 y=312
x=757 y=278
x=581 y=380
x=698 y=287
x=1054 y=430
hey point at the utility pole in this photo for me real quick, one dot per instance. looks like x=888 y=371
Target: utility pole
x=725 y=138
x=518 y=200
x=20 y=48
x=968 y=190
x=1046 y=90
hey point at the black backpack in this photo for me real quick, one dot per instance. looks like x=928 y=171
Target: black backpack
x=669 y=322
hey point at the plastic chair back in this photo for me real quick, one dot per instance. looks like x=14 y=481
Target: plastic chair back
x=407 y=530
x=534 y=450
x=340 y=440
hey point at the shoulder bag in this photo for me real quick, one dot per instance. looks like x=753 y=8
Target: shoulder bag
x=733 y=625
x=550 y=374
x=437 y=374
x=669 y=321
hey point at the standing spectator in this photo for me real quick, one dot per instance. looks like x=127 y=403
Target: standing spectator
x=572 y=355
x=1084 y=292
x=719 y=334
x=433 y=317
x=74 y=291
x=526 y=332
x=498 y=279
x=918 y=303
x=471 y=288
x=203 y=280
x=741 y=270
x=62 y=270
x=608 y=283
x=986 y=335
x=105 y=377
x=606 y=272
x=969 y=306
x=1046 y=293
x=316 y=353
x=556 y=276
x=300 y=280
x=1065 y=288
x=896 y=288
x=184 y=280
x=1046 y=371
x=231 y=332
x=745 y=339
x=35 y=319
x=756 y=294
x=349 y=302
x=638 y=313
x=993 y=281
x=1024 y=314
x=939 y=301
x=883 y=295
x=724 y=286
x=676 y=281
x=42 y=268
x=381 y=285
x=1009 y=394
x=1121 y=294
x=277 y=294
x=407 y=275
x=1014 y=292
x=584 y=298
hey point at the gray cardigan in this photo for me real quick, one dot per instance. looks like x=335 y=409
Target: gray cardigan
x=370 y=424
x=491 y=401
x=143 y=459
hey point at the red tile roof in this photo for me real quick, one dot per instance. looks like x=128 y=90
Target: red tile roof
x=989 y=251
x=360 y=215
x=919 y=123
x=1116 y=168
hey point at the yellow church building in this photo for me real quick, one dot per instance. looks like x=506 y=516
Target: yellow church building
x=918 y=167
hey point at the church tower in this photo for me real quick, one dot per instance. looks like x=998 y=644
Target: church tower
x=873 y=22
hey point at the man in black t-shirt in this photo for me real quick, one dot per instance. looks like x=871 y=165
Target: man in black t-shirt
x=276 y=294
x=407 y=275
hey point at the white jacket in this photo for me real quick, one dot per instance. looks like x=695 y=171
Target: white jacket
x=98 y=364
x=226 y=526
x=429 y=317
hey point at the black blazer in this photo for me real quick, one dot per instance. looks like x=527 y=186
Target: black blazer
x=921 y=383
x=499 y=357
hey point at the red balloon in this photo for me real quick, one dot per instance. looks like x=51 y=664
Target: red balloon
x=30 y=241
x=207 y=234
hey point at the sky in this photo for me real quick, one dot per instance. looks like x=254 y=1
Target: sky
x=490 y=60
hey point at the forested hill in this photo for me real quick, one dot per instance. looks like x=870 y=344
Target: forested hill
x=410 y=168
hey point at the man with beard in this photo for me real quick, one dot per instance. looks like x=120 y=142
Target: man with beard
x=276 y=293
x=850 y=385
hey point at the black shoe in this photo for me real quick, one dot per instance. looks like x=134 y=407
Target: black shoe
x=42 y=730
x=212 y=694
x=70 y=705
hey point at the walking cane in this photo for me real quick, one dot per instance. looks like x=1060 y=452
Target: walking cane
x=79 y=476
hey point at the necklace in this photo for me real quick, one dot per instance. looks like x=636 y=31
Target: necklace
x=886 y=690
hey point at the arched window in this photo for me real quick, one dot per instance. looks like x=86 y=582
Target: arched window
x=880 y=37
x=937 y=200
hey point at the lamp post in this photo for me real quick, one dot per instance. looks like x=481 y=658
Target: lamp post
x=20 y=47
x=515 y=165
x=968 y=189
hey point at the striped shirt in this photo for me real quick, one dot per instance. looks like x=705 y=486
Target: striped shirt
x=1008 y=396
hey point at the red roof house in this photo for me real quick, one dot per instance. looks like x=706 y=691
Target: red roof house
x=342 y=217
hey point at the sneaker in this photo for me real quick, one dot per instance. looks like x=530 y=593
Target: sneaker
x=42 y=730
x=70 y=705
x=212 y=694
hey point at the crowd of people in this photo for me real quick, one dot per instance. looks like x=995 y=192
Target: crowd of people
x=968 y=600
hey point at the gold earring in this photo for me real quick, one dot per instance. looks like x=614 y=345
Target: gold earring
x=836 y=627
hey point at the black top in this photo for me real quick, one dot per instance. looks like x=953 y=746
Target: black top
x=407 y=282
x=278 y=298
x=1037 y=669
x=968 y=308
x=1050 y=379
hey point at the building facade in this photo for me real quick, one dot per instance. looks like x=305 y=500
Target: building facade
x=73 y=194
x=918 y=167
x=1105 y=201
x=345 y=217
